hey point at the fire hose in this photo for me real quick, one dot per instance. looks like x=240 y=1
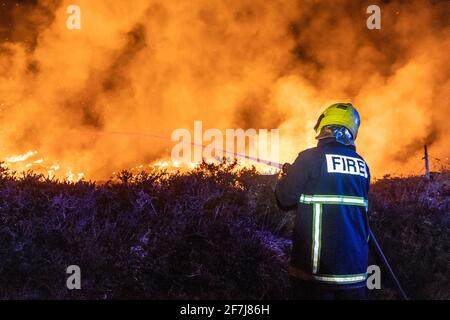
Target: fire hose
x=373 y=241
x=386 y=264
x=150 y=135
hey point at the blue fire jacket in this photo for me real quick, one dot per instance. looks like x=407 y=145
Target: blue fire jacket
x=328 y=185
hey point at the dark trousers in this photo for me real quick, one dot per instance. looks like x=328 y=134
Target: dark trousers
x=311 y=290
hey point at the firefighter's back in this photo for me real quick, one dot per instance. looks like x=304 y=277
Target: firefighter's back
x=331 y=230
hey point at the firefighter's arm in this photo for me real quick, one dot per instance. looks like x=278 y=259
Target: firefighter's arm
x=290 y=184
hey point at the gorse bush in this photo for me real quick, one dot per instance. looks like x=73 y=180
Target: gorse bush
x=213 y=233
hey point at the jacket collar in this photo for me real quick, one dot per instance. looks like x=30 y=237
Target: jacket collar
x=332 y=141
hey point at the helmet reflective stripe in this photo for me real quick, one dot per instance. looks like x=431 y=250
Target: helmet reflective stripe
x=343 y=114
x=332 y=199
x=316 y=236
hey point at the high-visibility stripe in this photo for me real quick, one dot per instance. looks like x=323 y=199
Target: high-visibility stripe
x=320 y=238
x=328 y=278
x=316 y=236
x=332 y=199
x=318 y=201
x=341 y=279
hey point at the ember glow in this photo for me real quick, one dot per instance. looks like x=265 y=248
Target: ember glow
x=155 y=66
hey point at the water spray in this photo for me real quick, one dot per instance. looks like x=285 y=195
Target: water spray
x=155 y=136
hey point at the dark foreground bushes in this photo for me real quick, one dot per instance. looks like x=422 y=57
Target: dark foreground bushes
x=212 y=233
x=411 y=218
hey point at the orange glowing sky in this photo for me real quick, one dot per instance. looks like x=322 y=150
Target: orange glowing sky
x=154 y=66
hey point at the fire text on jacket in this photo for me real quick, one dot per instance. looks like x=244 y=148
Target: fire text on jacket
x=347 y=165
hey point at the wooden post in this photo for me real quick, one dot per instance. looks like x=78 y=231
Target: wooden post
x=427 y=168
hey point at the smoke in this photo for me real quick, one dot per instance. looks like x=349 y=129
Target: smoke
x=154 y=66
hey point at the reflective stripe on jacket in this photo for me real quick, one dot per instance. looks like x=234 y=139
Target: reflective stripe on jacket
x=329 y=187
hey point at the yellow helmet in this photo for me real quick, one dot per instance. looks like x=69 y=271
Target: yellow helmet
x=343 y=114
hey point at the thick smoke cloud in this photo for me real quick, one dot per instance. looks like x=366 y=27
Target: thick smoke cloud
x=154 y=66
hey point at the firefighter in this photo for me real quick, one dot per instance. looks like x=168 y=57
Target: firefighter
x=328 y=185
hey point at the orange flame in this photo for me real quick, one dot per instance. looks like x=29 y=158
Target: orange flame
x=154 y=66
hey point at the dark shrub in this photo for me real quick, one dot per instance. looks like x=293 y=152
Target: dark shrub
x=212 y=233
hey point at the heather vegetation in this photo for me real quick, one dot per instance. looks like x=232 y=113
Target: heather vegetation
x=214 y=232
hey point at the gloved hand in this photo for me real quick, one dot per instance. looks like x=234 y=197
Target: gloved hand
x=285 y=168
